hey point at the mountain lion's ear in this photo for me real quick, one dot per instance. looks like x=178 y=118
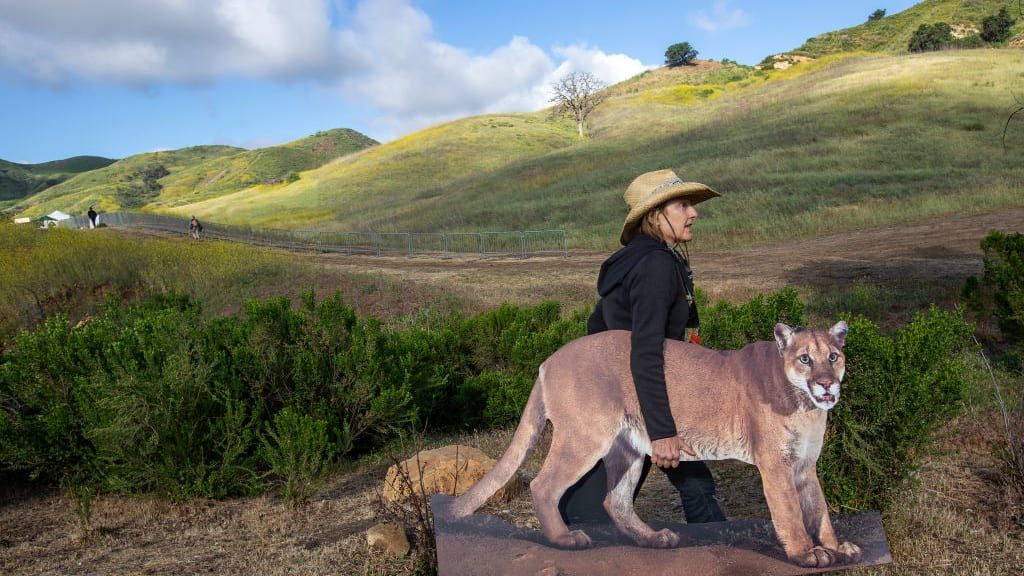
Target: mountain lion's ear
x=783 y=335
x=838 y=333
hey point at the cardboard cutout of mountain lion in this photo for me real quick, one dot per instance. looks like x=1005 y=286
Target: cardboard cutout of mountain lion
x=765 y=405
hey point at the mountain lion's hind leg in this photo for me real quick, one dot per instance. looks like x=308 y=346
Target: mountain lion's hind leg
x=624 y=465
x=568 y=459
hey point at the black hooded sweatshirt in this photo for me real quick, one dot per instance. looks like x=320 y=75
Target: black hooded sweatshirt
x=644 y=288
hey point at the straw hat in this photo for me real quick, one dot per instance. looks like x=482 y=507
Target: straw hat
x=653 y=189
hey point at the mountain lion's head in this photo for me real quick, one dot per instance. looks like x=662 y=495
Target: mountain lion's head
x=814 y=361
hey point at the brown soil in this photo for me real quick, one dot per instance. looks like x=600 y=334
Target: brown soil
x=954 y=521
x=941 y=251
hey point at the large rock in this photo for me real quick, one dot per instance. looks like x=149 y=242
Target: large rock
x=443 y=473
x=388 y=537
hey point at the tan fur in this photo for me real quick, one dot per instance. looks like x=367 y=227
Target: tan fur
x=762 y=405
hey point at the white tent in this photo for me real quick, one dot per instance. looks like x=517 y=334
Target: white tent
x=58 y=215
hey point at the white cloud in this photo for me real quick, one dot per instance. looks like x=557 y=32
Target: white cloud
x=381 y=54
x=722 y=17
x=140 y=42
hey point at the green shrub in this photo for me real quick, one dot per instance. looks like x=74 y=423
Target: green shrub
x=152 y=398
x=896 y=392
x=929 y=37
x=997 y=27
x=41 y=430
x=506 y=396
x=298 y=454
x=505 y=347
x=725 y=326
x=160 y=418
x=1004 y=274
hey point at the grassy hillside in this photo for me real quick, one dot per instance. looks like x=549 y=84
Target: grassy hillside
x=21 y=180
x=128 y=183
x=160 y=179
x=892 y=33
x=843 y=142
x=365 y=189
x=266 y=167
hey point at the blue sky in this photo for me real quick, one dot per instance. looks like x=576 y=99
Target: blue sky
x=120 y=77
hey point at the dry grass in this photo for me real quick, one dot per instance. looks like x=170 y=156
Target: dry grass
x=960 y=519
x=957 y=521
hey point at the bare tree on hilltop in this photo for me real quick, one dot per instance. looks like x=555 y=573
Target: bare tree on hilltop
x=577 y=93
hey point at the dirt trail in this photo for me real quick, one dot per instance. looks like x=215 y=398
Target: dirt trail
x=938 y=251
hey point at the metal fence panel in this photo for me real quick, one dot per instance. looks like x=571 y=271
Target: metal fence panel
x=464 y=243
x=428 y=244
x=519 y=244
x=546 y=242
x=504 y=244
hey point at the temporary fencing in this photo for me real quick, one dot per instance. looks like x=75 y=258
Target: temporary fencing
x=517 y=244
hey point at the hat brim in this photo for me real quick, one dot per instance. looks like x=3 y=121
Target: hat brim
x=692 y=191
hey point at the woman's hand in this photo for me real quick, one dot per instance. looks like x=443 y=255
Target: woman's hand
x=665 y=452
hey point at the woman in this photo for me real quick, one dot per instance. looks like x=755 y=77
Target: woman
x=647 y=288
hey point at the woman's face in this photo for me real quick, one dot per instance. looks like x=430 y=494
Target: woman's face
x=676 y=221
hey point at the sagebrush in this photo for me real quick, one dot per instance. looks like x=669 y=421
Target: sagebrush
x=152 y=397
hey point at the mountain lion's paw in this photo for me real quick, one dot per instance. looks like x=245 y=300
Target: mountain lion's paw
x=849 y=553
x=661 y=539
x=816 y=557
x=573 y=540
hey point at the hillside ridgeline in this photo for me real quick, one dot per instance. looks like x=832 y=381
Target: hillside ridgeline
x=892 y=33
x=843 y=142
x=167 y=178
x=21 y=180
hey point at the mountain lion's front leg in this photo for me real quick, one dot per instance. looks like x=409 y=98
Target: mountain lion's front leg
x=816 y=518
x=787 y=516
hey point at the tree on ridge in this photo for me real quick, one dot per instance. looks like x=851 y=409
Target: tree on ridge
x=578 y=94
x=679 y=54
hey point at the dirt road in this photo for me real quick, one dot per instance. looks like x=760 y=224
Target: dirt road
x=939 y=251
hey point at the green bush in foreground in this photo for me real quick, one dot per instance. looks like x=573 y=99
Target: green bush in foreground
x=897 y=391
x=1004 y=273
x=1000 y=291
x=152 y=398
x=299 y=454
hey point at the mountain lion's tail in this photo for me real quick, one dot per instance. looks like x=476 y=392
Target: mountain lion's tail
x=530 y=426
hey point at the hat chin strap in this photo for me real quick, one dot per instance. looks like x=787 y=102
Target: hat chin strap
x=670 y=227
x=686 y=250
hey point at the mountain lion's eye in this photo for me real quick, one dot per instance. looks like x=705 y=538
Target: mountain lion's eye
x=832 y=357
x=805 y=359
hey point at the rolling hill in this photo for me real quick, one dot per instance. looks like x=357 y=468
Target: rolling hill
x=845 y=141
x=21 y=180
x=158 y=179
x=892 y=33
x=128 y=183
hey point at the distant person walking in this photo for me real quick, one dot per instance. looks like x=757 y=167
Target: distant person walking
x=92 y=217
x=194 y=227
